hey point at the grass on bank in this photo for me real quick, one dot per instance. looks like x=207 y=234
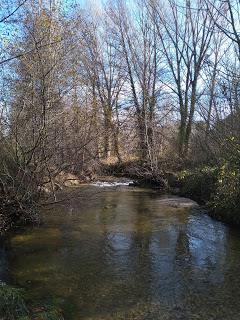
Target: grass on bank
x=15 y=305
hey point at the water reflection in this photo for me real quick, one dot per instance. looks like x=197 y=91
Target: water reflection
x=3 y=262
x=127 y=255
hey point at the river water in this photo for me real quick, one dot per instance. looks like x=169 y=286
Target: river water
x=128 y=253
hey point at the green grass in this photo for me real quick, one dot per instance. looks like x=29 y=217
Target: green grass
x=14 y=305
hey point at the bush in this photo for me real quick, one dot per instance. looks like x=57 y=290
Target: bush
x=226 y=199
x=198 y=184
x=219 y=188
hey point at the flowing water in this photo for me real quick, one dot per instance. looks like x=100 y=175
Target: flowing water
x=128 y=253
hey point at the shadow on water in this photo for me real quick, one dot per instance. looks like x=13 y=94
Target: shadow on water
x=3 y=261
x=129 y=254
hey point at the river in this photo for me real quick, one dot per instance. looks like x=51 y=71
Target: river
x=118 y=252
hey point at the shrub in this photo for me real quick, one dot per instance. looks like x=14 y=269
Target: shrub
x=198 y=184
x=226 y=199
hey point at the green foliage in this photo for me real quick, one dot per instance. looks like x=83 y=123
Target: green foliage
x=198 y=184
x=51 y=313
x=217 y=187
x=14 y=306
x=12 y=303
x=226 y=199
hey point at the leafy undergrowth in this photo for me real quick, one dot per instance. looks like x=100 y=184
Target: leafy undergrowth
x=226 y=198
x=15 y=305
x=199 y=184
x=217 y=187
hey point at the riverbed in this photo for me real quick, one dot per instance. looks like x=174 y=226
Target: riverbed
x=119 y=252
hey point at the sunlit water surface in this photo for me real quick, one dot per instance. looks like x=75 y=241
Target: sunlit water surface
x=128 y=253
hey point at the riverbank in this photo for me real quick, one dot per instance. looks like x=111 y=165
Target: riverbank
x=19 y=304
x=16 y=304
x=217 y=188
x=110 y=251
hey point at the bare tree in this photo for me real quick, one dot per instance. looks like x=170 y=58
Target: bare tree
x=137 y=44
x=185 y=32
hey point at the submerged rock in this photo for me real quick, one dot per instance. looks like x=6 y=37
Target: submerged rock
x=177 y=202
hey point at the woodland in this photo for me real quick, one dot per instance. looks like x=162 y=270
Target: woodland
x=146 y=88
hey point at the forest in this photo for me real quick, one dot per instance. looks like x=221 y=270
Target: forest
x=145 y=88
x=95 y=90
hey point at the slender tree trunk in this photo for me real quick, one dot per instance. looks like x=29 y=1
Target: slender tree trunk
x=107 y=132
x=95 y=120
x=141 y=126
x=190 y=118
